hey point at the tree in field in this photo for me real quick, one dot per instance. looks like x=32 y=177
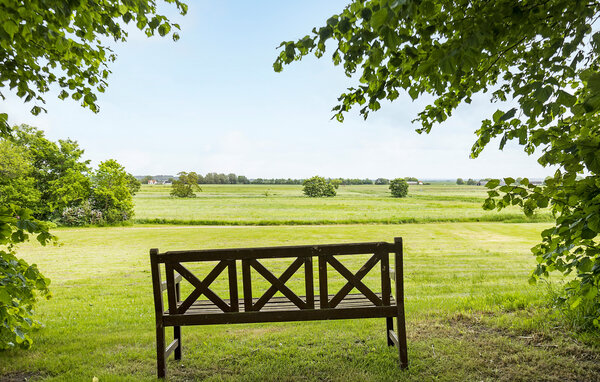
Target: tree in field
x=471 y=182
x=542 y=56
x=382 y=181
x=111 y=192
x=185 y=186
x=460 y=181
x=336 y=183
x=399 y=188
x=317 y=187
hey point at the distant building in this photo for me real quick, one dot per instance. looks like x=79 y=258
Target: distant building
x=412 y=182
x=152 y=181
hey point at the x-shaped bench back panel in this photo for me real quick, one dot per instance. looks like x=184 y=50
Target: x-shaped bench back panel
x=354 y=280
x=277 y=284
x=202 y=287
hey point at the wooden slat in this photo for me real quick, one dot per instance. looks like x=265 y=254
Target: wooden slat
x=172 y=346
x=386 y=287
x=163 y=285
x=287 y=292
x=171 y=293
x=309 y=283
x=201 y=286
x=392 y=336
x=283 y=316
x=272 y=252
x=323 y=290
x=279 y=285
x=401 y=322
x=233 y=287
x=247 y=284
x=354 y=281
x=282 y=303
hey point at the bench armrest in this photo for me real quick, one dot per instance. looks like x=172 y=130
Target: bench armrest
x=163 y=285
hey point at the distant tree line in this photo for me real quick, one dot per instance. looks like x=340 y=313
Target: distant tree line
x=220 y=178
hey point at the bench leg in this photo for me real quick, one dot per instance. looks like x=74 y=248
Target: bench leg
x=402 y=350
x=161 y=365
x=177 y=336
x=389 y=323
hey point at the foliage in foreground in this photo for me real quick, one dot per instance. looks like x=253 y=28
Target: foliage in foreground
x=49 y=43
x=20 y=283
x=317 y=187
x=399 y=188
x=543 y=56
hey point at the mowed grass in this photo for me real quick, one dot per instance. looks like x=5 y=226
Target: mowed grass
x=285 y=204
x=471 y=315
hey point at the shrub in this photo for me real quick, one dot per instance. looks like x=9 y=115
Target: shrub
x=316 y=187
x=82 y=215
x=399 y=188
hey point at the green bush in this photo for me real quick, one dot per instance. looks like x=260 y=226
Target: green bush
x=317 y=187
x=399 y=188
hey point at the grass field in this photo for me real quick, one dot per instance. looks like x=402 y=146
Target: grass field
x=282 y=204
x=471 y=314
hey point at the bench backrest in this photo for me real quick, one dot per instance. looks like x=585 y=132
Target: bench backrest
x=249 y=257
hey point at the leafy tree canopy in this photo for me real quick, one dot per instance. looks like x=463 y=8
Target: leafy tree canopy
x=111 y=192
x=399 y=188
x=58 y=171
x=17 y=185
x=44 y=43
x=541 y=56
x=317 y=187
x=185 y=186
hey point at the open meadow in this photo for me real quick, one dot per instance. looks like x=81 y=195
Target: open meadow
x=285 y=204
x=471 y=314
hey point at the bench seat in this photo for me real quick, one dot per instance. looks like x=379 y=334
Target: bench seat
x=280 y=309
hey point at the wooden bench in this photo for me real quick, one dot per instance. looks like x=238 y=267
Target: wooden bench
x=271 y=308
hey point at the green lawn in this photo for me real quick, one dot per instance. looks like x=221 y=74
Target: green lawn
x=471 y=313
x=283 y=204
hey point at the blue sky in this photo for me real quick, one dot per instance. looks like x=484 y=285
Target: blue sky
x=212 y=102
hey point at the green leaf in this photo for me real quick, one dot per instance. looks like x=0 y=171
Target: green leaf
x=508 y=115
x=493 y=183
x=379 y=18
x=10 y=27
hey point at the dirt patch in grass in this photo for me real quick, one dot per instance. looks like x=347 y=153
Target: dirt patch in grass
x=465 y=346
x=21 y=376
